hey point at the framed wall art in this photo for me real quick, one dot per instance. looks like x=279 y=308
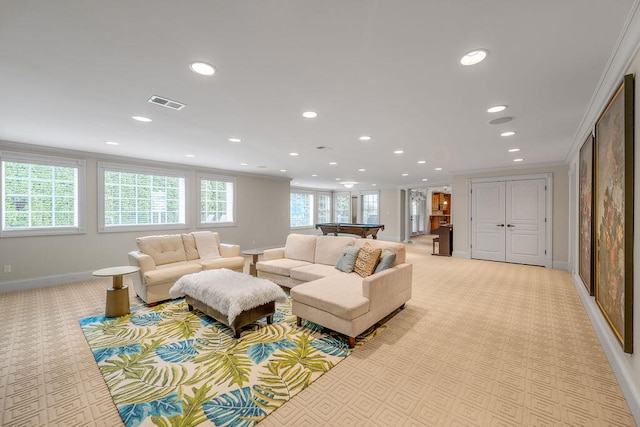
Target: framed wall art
x=585 y=234
x=613 y=214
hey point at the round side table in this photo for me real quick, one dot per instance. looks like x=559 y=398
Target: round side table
x=252 y=265
x=118 y=295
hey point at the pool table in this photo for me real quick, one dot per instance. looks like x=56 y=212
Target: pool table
x=362 y=230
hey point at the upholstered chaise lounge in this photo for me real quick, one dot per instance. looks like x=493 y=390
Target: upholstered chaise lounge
x=344 y=302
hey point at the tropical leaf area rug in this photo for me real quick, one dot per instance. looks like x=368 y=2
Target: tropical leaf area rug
x=167 y=366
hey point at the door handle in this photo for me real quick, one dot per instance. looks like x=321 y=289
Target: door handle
x=499 y=225
x=510 y=225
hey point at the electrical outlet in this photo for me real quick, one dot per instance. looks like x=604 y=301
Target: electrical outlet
x=7 y=269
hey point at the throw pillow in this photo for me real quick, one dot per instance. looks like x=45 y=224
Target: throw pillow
x=386 y=261
x=347 y=259
x=367 y=260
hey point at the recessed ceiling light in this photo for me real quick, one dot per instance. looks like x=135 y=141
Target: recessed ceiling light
x=283 y=170
x=365 y=138
x=496 y=108
x=202 y=68
x=518 y=160
x=234 y=140
x=373 y=185
x=514 y=150
x=422 y=162
x=333 y=163
x=191 y=156
x=438 y=169
x=508 y=133
x=309 y=114
x=398 y=152
x=244 y=164
x=425 y=179
x=474 y=57
x=293 y=154
x=405 y=174
x=338 y=179
x=314 y=175
x=141 y=119
x=361 y=170
x=111 y=143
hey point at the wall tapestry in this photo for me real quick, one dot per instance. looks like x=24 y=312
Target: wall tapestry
x=614 y=213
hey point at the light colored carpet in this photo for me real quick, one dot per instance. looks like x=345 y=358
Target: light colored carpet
x=479 y=344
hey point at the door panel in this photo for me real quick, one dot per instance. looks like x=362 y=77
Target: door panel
x=488 y=221
x=508 y=221
x=525 y=218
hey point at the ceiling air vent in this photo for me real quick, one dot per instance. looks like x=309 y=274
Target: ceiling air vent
x=174 y=105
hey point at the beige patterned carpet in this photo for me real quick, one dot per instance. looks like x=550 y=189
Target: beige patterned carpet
x=480 y=344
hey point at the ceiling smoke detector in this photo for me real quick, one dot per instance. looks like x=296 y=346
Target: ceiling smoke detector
x=165 y=102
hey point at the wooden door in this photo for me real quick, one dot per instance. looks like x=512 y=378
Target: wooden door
x=488 y=221
x=525 y=221
x=508 y=221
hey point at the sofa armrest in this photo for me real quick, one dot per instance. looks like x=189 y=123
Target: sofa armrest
x=387 y=284
x=275 y=253
x=228 y=250
x=144 y=261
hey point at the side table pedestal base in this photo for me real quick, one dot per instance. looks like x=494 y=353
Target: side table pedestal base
x=117 y=302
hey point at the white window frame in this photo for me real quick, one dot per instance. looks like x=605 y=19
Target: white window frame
x=368 y=193
x=317 y=197
x=337 y=194
x=80 y=194
x=313 y=207
x=120 y=167
x=208 y=224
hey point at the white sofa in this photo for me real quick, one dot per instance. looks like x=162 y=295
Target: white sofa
x=344 y=302
x=163 y=259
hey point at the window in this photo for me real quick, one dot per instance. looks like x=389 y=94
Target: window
x=324 y=207
x=301 y=209
x=342 y=210
x=134 y=198
x=370 y=208
x=216 y=200
x=41 y=195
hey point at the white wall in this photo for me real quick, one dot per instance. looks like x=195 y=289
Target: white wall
x=625 y=366
x=460 y=209
x=262 y=221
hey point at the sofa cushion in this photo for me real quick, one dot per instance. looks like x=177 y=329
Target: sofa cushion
x=386 y=261
x=207 y=243
x=397 y=248
x=347 y=259
x=311 y=272
x=190 y=249
x=171 y=273
x=163 y=249
x=281 y=266
x=367 y=260
x=341 y=297
x=232 y=263
x=328 y=248
x=300 y=247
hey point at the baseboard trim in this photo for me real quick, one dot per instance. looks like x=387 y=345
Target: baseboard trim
x=40 y=282
x=618 y=360
x=461 y=254
x=560 y=265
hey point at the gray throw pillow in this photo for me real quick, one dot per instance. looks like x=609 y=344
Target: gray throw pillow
x=386 y=261
x=347 y=259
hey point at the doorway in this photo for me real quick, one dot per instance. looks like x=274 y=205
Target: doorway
x=418 y=210
x=510 y=220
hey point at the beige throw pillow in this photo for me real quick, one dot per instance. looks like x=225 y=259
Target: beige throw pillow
x=367 y=260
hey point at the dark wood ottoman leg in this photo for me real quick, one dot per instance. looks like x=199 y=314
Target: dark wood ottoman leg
x=190 y=307
x=298 y=321
x=352 y=342
x=270 y=319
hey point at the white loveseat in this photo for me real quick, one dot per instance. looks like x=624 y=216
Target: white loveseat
x=163 y=259
x=344 y=302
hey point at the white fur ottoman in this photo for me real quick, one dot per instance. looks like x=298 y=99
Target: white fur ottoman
x=232 y=298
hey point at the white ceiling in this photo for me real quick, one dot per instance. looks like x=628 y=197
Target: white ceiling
x=72 y=73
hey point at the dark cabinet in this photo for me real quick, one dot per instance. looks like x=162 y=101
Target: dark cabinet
x=445 y=240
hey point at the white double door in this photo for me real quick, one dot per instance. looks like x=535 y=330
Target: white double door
x=508 y=221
